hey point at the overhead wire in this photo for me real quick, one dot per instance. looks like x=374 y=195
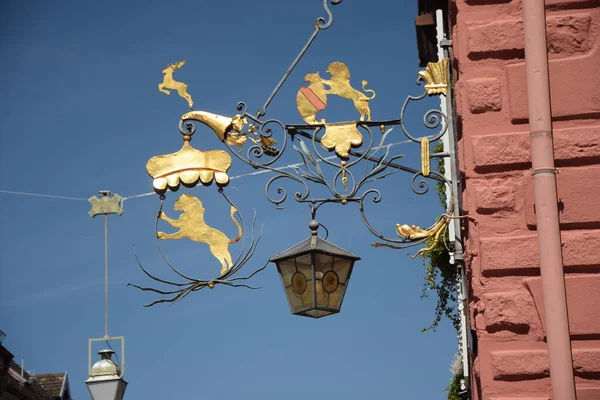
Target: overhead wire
x=136 y=196
x=43 y=195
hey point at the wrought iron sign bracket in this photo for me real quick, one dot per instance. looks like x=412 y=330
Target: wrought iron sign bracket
x=330 y=153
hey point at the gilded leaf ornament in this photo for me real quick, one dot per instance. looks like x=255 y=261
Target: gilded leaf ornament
x=436 y=77
x=341 y=137
x=414 y=232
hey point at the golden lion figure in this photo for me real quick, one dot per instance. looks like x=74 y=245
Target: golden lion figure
x=170 y=83
x=192 y=226
x=340 y=84
x=311 y=99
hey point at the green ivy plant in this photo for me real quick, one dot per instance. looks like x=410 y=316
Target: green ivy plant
x=440 y=275
x=454 y=392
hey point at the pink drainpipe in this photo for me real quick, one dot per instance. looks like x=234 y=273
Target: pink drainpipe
x=546 y=202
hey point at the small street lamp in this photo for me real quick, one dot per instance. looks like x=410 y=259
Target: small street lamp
x=315 y=275
x=106 y=380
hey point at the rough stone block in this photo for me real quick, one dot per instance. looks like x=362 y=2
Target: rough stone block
x=495 y=198
x=583 y=393
x=578 y=192
x=533 y=364
x=583 y=292
x=490 y=151
x=528 y=364
x=501 y=150
x=507 y=255
x=508 y=311
x=589 y=393
x=581 y=249
x=483 y=95
x=573 y=88
x=565 y=2
x=498 y=36
x=520 y=398
x=484 y=2
x=567 y=34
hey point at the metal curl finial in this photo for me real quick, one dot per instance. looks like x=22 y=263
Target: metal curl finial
x=187 y=128
x=321 y=21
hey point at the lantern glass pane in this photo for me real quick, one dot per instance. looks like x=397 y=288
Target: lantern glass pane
x=304 y=265
x=287 y=268
x=329 y=295
x=296 y=274
x=295 y=300
x=323 y=262
x=322 y=295
x=335 y=298
x=113 y=389
x=342 y=267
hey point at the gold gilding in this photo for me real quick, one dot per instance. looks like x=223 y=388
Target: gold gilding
x=425 y=159
x=192 y=226
x=341 y=137
x=339 y=84
x=436 y=77
x=188 y=166
x=344 y=179
x=227 y=129
x=313 y=98
x=414 y=233
x=170 y=83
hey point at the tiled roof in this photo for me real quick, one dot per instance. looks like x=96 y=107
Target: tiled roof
x=51 y=383
x=24 y=386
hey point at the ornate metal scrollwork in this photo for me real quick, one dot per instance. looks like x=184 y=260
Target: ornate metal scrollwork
x=196 y=229
x=337 y=146
x=330 y=153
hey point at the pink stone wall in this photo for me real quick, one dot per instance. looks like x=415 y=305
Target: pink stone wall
x=506 y=305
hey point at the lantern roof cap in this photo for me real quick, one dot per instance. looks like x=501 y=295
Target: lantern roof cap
x=313 y=243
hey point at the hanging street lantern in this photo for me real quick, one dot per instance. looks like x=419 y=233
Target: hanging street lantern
x=106 y=380
x=106 y=377
x=315 y=275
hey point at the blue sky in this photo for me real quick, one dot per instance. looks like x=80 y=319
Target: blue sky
x=81 y=113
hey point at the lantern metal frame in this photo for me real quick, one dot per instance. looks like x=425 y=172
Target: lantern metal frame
x=315 y=246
